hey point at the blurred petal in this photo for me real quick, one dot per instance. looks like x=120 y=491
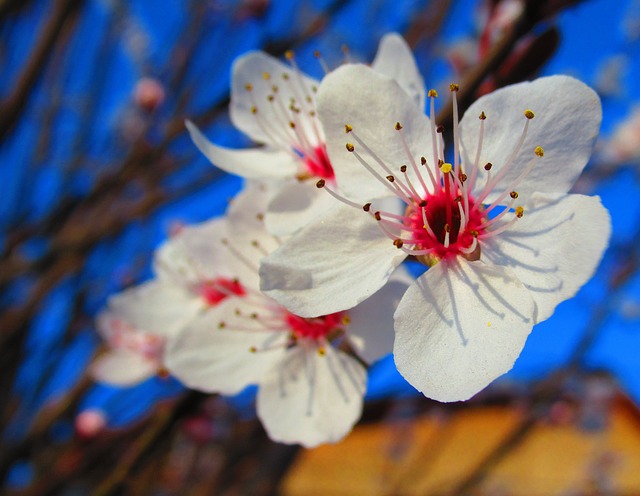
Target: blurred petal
x=396 y=61
x=123 y=367
x=253 y=163
x=311 y=398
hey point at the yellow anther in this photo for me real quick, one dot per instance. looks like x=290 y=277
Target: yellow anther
x=285 y=76
x=347 y=128
x=253 y=349
x=454 y=87
x=398 y=126
x=248 y=87
x=292 y=125
x=346 y=320
x=529 y=114
x=482 y=116
x=312 y=113
x=254 y=110
x=320 y=183
x=275 y=88
x=270 y=98
x=446 y=168
x=539 y=151
x=222 y=325
x=432 y=94
x=322 y=351
x=519 y=211
x=350 y=147
x=288 y=55
x=266 y=76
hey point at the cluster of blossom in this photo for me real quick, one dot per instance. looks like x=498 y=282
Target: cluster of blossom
x=301 y=283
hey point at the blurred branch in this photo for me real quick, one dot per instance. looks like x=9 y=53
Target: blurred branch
x=10 y=109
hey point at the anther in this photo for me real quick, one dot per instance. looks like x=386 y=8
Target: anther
x=488 y=166
x=458 y=198
x=253 y=349
x=513 y=194
x=346 y=320
x=398 y=126
x=529 y=114
x=253 y=316
x=320 y=183
x=391 y=178
x=366 y=207
x=270 y=98
x=377 y=216
x=275 y=88
x=322 y=351
x=446 y=167
x=288 y=54
x=482 y=116
x=403 y=168
x=423 y=161
x=350 y=147
x=432 y=94
x=474 y=233
x=260 y=217
x=248 y=87
x=454 y=87
x=285 y=76
x=462 y=176
x=254 y=110
x=519 y=212
x=266 y=76
x=348 y=128
x=398 y=243
x=222 y=325
x=292 y=125
x=316 y=54
x=255 y=243
x=447 y=228
x=439 y=129
x=422 y=204
x=539 y=151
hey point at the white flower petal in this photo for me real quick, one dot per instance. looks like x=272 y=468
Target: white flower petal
x=211 y=359
x=193 y=255
x=156 y=307
x=459 y=327
x=123 y=367
x=253 y=163
x=371 y=322
x=395 y=60
x=555 y=248
x=312 y=399
x=296 y=205
x=566 y=124
x=331 y=265
x=251 y=69
x=372 y=104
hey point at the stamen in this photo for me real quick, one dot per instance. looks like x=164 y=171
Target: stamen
x=323 y=64
x=321 y=184
x=405 y=145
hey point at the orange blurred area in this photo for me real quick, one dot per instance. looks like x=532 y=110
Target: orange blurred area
x=499 y=448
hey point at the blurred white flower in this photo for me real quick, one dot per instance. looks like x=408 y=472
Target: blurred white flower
x=310 y=385
x=275 y=105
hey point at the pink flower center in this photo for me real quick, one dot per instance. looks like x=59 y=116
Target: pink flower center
x=447 y=236
x=318 y=163
x=218 y=289
x=315 y=328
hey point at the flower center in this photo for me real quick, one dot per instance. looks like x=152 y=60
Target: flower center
x=318 y=163
x=448 y=233
x=216 y=290
x=125 y=336
x=315 y=328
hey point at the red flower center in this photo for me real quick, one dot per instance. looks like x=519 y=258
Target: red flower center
x=317 y=327
x=318 y=163
x=218 y=289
